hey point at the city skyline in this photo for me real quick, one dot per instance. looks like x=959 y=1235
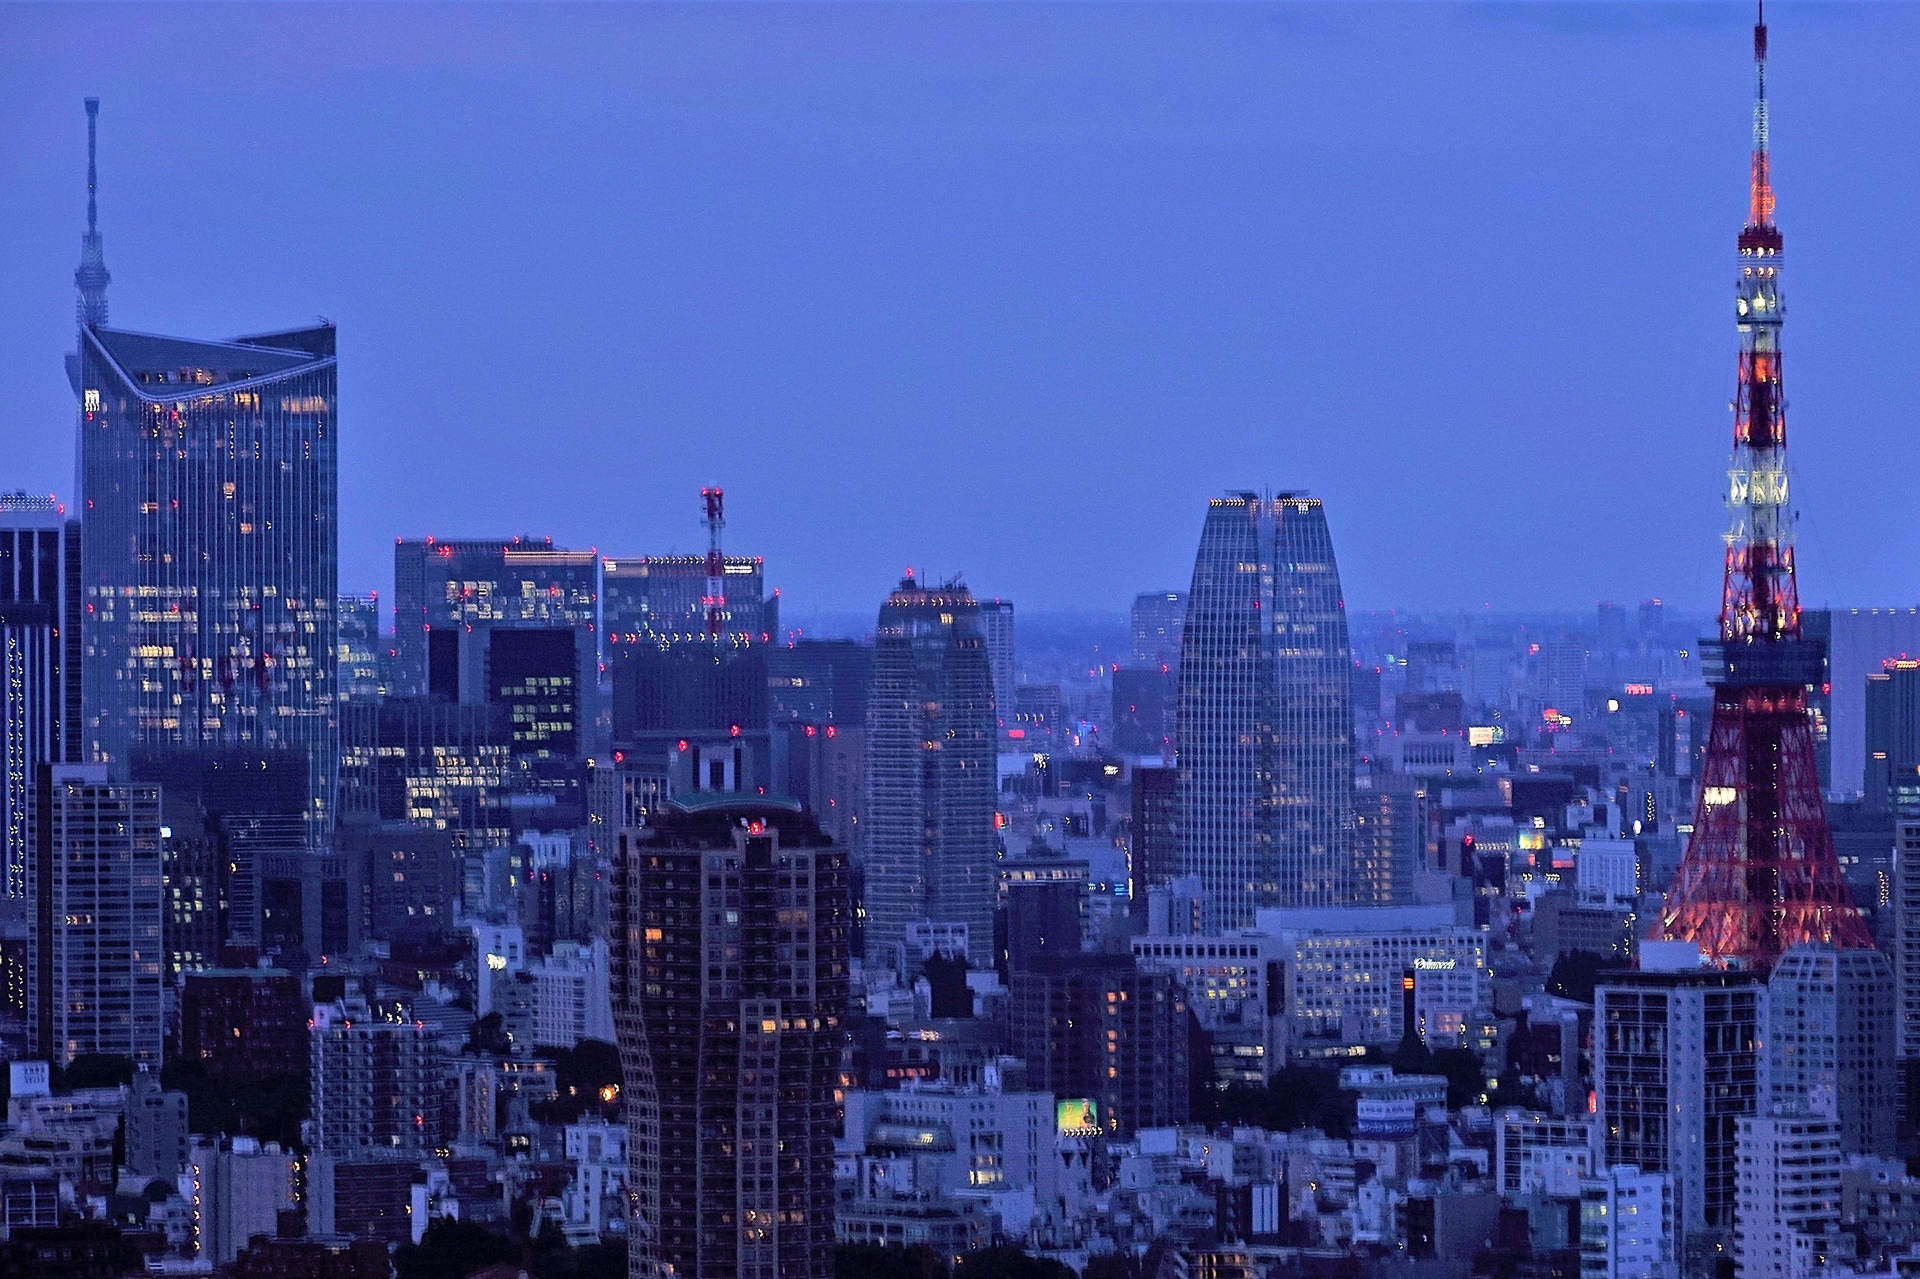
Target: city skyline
x=1244 y=287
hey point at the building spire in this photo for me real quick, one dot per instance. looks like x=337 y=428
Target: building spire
x=1760 y=211
x=91 y=278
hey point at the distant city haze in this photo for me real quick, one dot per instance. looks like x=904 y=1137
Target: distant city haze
x=1003 y=290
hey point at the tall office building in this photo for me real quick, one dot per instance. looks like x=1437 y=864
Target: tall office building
x=1151 y=843
x=932 y=785
x=449 y=598
x=94 y=958
x=1786 y=1195
x=1831 y=1042
x=730 y=946
x=444 y=765
x=1099 y=1028
x=360 y=663
x=1892 y=772
x=820 y=682
x=1265 y=723
x=996 y=628
x=1678 y=1060
x=1159 y=617
x=208 y=474
x=818 y=701
x=696 y=711
x=40 y=714
x=662 y=599
x=1859 y=642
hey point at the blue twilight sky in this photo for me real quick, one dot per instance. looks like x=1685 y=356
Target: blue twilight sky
x=1008 y=289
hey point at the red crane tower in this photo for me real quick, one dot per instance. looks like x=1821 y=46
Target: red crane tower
x=1759 y=874
x=715 y=600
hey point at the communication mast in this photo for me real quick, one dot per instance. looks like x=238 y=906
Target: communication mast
x=715 y=600
x=1759 y=874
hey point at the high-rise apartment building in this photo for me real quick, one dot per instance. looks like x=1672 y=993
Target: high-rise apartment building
x=94 y=957
x=1678 y=1060
x=932 y=785
x=1831 y=1042
x=376 y=1080
x=730 y=945
x=1389 y=838
x=1787 y=1194
x=1626 y=1223
x=1265 y=723
x=1159 y=617
x=208 y=474
x=40 y=710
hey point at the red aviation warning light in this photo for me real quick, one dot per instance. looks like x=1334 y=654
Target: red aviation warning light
x=1759 y=874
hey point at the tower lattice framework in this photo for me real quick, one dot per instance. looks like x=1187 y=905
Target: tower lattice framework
x=1759 y=874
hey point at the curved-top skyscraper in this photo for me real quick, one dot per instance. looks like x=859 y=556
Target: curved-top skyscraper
x=1265 y=723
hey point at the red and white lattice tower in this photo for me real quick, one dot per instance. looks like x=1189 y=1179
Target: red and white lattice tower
x=1759 y=874
x=715 y=600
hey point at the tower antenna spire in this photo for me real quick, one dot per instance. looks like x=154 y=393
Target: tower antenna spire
x=92 y=277
x=1759 y=874
x=1760 y=210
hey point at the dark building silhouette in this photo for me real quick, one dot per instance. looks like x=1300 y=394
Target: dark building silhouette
x=411 y=880
x=1152 y=849
x=1144 y=701
x=450 y=596
x=730 y=967
x=244 y=1025
x=1045 y=908
x=698 y=710
x=1893 y=738
x=820 y=682
x=1096 y=1027
x=533 y=676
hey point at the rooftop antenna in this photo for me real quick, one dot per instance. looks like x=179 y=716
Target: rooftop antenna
x=715 y=599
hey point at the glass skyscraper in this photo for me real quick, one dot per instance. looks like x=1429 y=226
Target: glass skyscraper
x=209 y=560
x=932 y=852
x=1265 y=723
x=40 y=714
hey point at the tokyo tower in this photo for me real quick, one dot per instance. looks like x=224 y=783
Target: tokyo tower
x=1759 y=874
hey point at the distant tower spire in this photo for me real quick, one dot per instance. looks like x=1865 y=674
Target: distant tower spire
x=91 y=278
x=1760 y=211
